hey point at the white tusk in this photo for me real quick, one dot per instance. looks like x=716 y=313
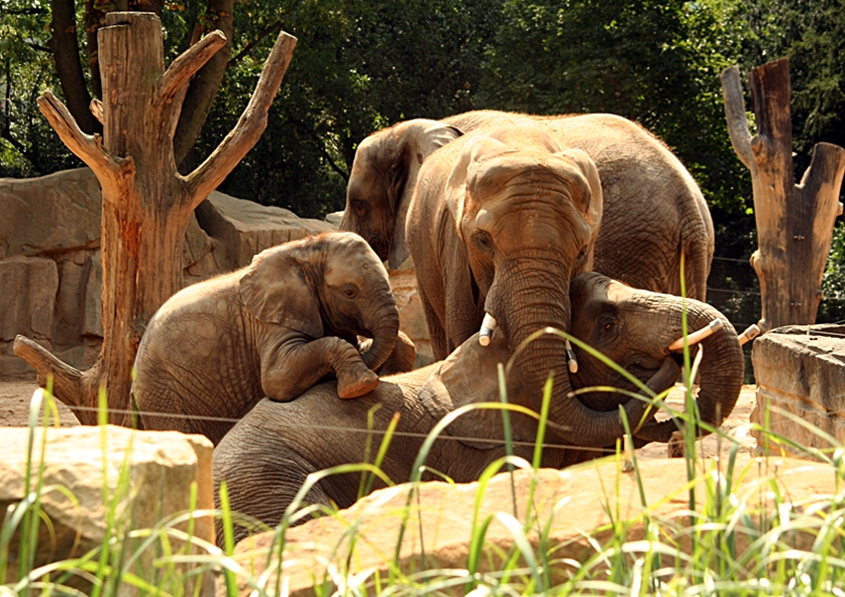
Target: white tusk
x=487 y=326
x=570 y=358
x=698 y=336
x=749 y=334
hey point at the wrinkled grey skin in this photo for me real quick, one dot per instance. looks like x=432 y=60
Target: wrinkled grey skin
x=273 y=328
x=653 y=211
x=266 y=457
x=500 y=223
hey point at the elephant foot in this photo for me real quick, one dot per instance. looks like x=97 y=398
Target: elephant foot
x=356 y=383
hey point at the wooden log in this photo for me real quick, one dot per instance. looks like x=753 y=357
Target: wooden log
x=794 y=222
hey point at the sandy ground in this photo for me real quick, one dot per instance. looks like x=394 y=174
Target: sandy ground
x=15 y=396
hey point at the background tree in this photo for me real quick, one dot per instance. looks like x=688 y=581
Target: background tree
x=360 y=66
x=28 y=146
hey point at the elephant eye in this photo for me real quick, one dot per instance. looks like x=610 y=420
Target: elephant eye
x=350 y=291
x=607 y=323
x=582 y=254
x=483 y=241
x=360 y=207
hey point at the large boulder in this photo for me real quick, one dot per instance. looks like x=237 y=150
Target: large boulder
x=580 y=507
x=53 y=223
x=53 y=214
x=27 y=304
x=158 y=470
x=800 y=373
x=245 y=228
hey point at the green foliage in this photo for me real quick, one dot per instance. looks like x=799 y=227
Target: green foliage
x=811 y=33
x=357 y=67
x=28 y=146
x=657 y=63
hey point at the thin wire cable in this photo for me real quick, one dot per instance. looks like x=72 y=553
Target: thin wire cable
x=409 y=434
x=733 y=259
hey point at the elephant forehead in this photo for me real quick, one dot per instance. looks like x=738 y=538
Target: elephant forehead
x=514 y=222
x=543 y=170
x=354 y=266
x=618 y=292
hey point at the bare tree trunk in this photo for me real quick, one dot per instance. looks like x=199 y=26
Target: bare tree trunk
x=219 y=15
x=146 y=202
x=68 y=65
x=794 y=222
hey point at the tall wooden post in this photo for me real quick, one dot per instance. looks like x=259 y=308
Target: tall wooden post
x=794 y=222
x=146 y=202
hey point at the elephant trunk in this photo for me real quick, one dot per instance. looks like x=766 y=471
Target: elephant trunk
x=541 y=299
x=720 y=373
x=384 y=330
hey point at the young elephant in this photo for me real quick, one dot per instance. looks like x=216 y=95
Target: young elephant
x=273 y=328
x=267 y=456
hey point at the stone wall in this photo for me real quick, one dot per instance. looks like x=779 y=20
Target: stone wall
x=800 y=371
x=50 y=274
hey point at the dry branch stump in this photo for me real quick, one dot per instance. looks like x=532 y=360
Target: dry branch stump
x=794 y=222
x=146 y=202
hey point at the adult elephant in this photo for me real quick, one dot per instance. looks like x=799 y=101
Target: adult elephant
x=383 y=177
x=267 y=456
x=273 y=328
x=654 y=213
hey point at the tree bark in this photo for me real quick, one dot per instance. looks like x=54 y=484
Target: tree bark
x=205 y=84
x=794 y=222
x=146 y=202
x=68 y=65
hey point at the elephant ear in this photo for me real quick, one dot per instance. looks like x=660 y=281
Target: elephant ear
x=476 y=150
x=423 y=137
x=470 y=376
x=276 y=288
x=594 y=205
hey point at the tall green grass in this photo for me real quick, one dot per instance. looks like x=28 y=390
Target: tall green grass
x=721 y=544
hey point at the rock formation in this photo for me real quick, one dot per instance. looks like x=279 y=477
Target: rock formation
x=50 y=272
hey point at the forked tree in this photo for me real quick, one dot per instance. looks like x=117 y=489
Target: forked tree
x=794 y=222
x=147 y=203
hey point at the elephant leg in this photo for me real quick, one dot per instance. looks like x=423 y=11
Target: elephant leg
x=436 y=331
x=261 y=484
x=290 y=370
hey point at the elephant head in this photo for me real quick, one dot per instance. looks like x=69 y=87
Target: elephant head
x=384 y=174
x=332 y=284
x=527 y=213
x=635 y=328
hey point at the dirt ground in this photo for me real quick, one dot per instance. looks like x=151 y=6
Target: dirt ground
x=15 y=396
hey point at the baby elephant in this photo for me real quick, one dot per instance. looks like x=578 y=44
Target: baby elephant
x=273 y=328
